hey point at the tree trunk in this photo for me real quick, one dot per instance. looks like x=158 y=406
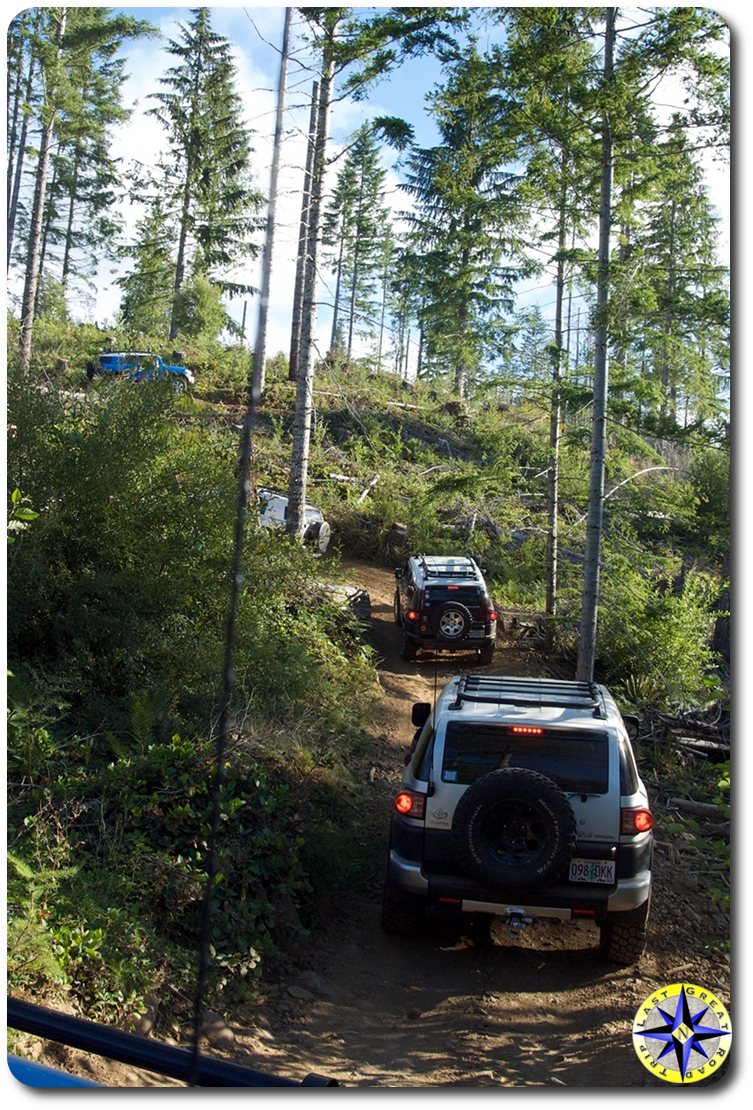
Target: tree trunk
x=300 y=268
x=68 y=249
x=304 y=399
x=47 y=222
x=15 y=171
x=381 y=320
x=37 y=213
x=668 y=395
x=338 y=282
x=180 y=265
x=356 y=254
x=554 y=429
x=258 y=375
x=587 y=638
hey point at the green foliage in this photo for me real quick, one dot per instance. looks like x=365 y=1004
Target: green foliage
x=653 y=627
x=710 y=480
x=205 y=176
x=198 y=310
x=710 y=848
x=19 y=516
x=30 y=960
x=118 y=595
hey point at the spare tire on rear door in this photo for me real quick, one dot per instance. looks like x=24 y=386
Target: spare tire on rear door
x=319 y=533
x=452 y=622
x=514 y=828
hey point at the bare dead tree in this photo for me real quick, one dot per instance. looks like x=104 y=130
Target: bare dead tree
x=300 y=268
x=594 y=524
x=258 y=375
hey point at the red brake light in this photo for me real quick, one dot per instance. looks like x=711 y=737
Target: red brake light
x=529 y=730
x=635 y=821
x=411 y=614
x=492 y=616
x=410 y=804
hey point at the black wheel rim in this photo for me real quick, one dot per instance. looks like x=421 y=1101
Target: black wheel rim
x=516 y=835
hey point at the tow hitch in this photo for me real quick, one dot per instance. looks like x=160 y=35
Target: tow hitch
x=516 y=921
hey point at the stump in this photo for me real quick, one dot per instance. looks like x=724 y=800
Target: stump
x=397 y=538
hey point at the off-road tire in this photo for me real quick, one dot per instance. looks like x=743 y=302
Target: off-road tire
x=396 y=609
x=407 y=648
x=623 y=944
x=452 y=622
x=318 y=534
x=402 y=914
x=486 y=654
x=514 y=829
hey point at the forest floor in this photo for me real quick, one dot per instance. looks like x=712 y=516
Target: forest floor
x=454 y=1009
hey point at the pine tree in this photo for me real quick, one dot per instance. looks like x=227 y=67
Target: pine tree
x=69 y=42
x=82 y=221
x=22 y=70
x=372 y=45
x=355 y=225
x=207 y=176
x=545 y=68
x=467 y=225
x=148 y=286
x=677 y=303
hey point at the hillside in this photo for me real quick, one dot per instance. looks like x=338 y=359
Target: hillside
x=118 y=592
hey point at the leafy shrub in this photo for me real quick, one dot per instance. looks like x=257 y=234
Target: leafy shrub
x=648 y=628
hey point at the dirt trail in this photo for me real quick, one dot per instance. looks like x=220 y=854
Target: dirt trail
x=463 y=1010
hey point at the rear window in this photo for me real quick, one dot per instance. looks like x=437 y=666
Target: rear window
x=466 y=595
x=578 y=762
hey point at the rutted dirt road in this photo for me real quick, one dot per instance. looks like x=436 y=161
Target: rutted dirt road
x=462 y=1010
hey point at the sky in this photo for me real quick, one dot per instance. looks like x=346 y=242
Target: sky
x=256 y=34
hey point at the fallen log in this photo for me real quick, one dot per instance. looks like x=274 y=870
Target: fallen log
x=698 y=809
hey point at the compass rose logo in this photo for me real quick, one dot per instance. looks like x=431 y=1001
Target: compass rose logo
x=682 y=1033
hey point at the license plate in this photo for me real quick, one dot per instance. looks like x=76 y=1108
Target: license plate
x=476 y=634
x=591 y=871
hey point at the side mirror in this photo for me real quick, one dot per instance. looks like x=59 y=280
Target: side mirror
x=632 y=724
x=399 y=572
x=420 y=713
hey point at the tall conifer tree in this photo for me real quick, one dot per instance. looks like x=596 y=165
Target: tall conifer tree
x=68 y=43
x=355 y=225
x=467 y=224
x=207 y=174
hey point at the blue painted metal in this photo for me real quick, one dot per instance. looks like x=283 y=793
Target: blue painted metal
x=39 y=1075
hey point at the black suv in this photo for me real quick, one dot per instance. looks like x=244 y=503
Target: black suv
x=442 y=602
x=521 y=798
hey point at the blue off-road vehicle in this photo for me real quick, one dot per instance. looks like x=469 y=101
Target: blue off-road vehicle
x=138 y=366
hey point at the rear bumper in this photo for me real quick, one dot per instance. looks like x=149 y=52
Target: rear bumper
x=422 y=639
x=630 y=893
x=563 y=900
